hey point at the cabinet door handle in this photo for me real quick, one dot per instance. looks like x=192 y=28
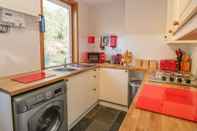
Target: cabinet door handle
x=176 y=23
x=170 y=31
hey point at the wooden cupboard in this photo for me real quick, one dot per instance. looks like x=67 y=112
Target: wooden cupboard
x=113 y=86
x=30 y=7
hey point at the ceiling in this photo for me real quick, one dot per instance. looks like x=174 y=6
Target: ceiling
x=93 y=2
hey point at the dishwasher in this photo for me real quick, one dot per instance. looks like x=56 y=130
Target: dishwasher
x=135 y=80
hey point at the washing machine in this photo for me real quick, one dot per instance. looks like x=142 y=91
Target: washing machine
x=41 y=110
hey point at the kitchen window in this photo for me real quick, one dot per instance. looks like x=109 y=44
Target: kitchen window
x=57 y=36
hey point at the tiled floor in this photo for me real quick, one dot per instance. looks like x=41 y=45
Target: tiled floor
x=101 y=119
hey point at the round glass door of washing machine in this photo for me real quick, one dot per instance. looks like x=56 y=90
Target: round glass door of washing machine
x=49 y=119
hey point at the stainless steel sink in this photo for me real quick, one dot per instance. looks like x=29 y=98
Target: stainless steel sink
x=64 y=69
x=72 y=67
x=80 y=65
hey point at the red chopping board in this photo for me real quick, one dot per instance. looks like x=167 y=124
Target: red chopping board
x=32 y=77
x=179 y=103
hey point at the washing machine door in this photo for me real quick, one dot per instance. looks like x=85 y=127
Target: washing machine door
x=49 y=118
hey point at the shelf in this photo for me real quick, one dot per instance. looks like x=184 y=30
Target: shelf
x=185 y=42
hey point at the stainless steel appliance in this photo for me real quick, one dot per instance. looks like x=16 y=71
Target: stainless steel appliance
x=133 y=88
x=174 y=78
x=135 y=80
x=41 y=110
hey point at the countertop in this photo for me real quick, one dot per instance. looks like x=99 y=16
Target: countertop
x=115 y=66
x=15 y=88
x=140 y=120
x=136 y=119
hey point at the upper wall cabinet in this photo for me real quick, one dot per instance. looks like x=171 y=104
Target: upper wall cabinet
x=30 y=7
x=186 y=9
x=179 y=13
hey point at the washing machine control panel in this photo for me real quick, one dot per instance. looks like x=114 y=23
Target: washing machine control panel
x=39 y=97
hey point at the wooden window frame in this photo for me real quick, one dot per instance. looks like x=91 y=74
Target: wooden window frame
x=74 y=22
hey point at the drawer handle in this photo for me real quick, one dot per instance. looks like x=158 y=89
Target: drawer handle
x=94 y=89
x=94 y=76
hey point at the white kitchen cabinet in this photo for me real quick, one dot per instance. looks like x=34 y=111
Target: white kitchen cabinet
x=173 y=17
x=30 y=7
x=113 y=86
x=81 y=94
x=179 y=12
x=93 y=85
x=187 y=7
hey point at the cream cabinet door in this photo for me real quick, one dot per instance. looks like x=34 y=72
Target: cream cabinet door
x=113 y=86
x=30 y=7
x=173 y=16
x=92 y=82
x=76 y=97
x=81 y=94
x=187 y=9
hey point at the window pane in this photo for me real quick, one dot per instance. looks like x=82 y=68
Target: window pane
x=57 y=35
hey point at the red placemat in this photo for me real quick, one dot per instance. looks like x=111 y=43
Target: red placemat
x=28 y=78
x=180 y=103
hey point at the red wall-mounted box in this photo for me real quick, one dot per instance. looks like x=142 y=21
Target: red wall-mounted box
x=91 y=39
x=113 y=41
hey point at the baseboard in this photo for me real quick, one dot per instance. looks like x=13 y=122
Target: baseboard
x=113 y=105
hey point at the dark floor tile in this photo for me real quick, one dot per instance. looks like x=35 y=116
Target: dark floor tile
x=101 y=119
x=118 y=122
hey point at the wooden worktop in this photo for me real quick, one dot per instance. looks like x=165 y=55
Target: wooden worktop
x=116 y=66
x=141 y=120
x=15 y=88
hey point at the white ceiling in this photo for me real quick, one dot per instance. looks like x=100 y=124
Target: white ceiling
x=93 y=2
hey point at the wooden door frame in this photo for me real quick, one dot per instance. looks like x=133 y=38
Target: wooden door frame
x=75 y=41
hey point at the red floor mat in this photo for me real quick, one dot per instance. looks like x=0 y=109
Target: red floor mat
x=180 y=103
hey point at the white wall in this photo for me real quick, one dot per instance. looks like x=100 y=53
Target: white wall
x=19 y=49
x=83 y=27
x=140 y=25
x=145 y=16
